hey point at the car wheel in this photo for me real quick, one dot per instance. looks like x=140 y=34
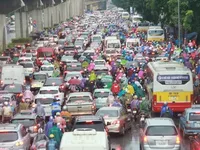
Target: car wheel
x=122 y=131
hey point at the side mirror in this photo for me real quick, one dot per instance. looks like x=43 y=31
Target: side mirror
x=108 y=123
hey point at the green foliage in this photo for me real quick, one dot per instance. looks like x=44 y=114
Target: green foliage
x=188 y=20
x=11 y=45
x=21 y=40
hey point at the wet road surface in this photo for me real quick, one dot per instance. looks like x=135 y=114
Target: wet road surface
x=130 y=141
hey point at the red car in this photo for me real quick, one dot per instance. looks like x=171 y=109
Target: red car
x=195 y=142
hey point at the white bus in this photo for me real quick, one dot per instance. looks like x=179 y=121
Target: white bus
x=125 y=15
x=155 y=33
x=169 y=82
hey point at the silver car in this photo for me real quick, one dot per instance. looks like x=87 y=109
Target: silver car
x=159 y=133
x=14 y=137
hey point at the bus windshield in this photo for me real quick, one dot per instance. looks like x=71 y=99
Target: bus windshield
x=173 y=79
x=156 y=32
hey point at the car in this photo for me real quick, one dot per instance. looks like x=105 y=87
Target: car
x=53 y=81
x=100 y=62
x=38 y=80
x=29 y=120
x=4 y=59
x=90 y=121
x=189 y=123
x=24 y=59
x=116 y=118
x=14 y=136
x=80 y=103
x=10 y=98
x=17 y=89
x=99 y=70
x=194 y=142
x=74 y=66
x=55 y=90
x=26 y=55
x=48 y=69
x=65 y=60
x=101 y=97
x=90 y=53
x=46 y=100
x=29 y=68
x=69 y=75
x=159 y=133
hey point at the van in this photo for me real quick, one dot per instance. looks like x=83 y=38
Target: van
x=85 y=139
x=12 y=74
x=125 y=15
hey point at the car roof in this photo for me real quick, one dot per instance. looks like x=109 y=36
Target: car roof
x=97 y=67
x=194 y=108
x=44 y=96
x=25 y=62
x=110 y=108
x=10 y=127
x=49 y=88
x=38 y=73
x=47 y=65
x=99 y=90
x=25 y=115
x=54 y=78
x=80 y=93
x=88 y=117
x=74 y=72
x=158 y=121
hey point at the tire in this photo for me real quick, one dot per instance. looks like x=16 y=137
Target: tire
x=122 y=132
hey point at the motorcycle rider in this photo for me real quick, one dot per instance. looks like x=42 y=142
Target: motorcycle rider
x=165 y=109
x=99 y=83
x=116 y=103
x=52 y=145
x=130 y=89
x=49 y=125
x=115 y=88
x=39 y=110
x=57 y=134
x=67 y=116
x=92 y=76
x=135 y=104
x=145 y=106
x=7 y=113
x=59 y=120
x=56 y=107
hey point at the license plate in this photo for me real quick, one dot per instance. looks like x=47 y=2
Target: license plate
x=134 y=111
x=172 y=98
x=161 y=142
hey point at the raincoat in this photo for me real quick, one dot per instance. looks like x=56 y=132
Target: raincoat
x=130 y=89
x=164 y=109
x=48 y=126
x=56 y=73
x=39 y=110
x=91 y=66
x=57 y=133
x=52 y=144
x=140 y=92
x=92 y=76
x=115 y=88
x=144 y=106
x=141 y=74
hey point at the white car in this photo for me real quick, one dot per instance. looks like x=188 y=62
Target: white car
x=48 y=69
x=24 y=59
x=100 y=62
x=74 y=74
x=29 y=68
x=54 y=90
x=46 y=100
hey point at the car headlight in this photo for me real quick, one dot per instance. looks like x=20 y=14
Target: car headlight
x=20 y=143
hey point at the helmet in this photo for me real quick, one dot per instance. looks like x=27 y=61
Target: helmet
x=135 y=97
x=99 y=77
x=64 y=108
x=51 y=136
x=58 y=114
x=40 y=130
x=6 y=103
x=165 y=104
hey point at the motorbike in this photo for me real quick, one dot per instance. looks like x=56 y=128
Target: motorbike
x=143 y=116
x=135 y=114
x=39 y=145
x=28 y=97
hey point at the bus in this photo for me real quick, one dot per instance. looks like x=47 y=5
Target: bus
x=155 y=34
x=125 y=15
x=171 y=82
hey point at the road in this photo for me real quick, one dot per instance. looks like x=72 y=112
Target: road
x=130 y=141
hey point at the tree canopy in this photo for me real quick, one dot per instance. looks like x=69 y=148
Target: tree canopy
x=151 y=10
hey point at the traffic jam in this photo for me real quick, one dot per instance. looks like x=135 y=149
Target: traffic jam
x=96 y=77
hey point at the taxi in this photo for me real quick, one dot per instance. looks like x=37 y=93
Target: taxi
x=48 y=69
x=189 y=123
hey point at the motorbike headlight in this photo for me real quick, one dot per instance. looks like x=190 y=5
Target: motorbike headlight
x=19 y=143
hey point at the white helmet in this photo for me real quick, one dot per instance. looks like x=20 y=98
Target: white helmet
x=64 y=108
x=6 y=103
x=40 y=130
x=135 y=97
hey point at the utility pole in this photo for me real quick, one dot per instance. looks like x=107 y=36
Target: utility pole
x=179 y=25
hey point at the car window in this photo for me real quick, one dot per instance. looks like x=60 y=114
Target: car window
x=80 y=99
x=47 y=68
x=108 y=113
x=24 y=122
x=55 y=82
x=194 y=116
x=27 y=65
x=161 y=131
x=8 y=136
x=97 y=125
x=39 y=77
x=44 y=100
x=13 y=88
x=48 y=91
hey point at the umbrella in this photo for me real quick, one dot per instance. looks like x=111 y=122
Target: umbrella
x=74 y=81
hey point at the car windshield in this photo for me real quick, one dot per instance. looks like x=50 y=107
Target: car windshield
x=47 y=68
x=111 y=52
x=48 y=91
x=13 y=88
x=21 y=60
x=96 y=38
x=88 y=54
x=101 y=94
x=44 y=100
x=161 y=131
x=97 y=125
x=113 y=45
x=79 y=98
x=25 y=122
x=107 y=113
x=4 y=58
x=39 y=77
x=194 y=116
x=55 y=82
x=99 y=62
x=99 y=72
x=69 y=76
x=45 y=54
x=27 y=65
x=3 y=99
x=8 y=136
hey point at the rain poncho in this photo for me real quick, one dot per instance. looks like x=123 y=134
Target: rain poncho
x=144 y=106
x=164 y=110
x=48 y=126
x=91 y=66
x=56 y=73
x=140 y=92
x=130 y=89
x=92 y=76
x=52 y=144
x=39 y=110
x=57 y=133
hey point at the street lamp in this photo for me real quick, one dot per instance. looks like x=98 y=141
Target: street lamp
x=179 y=25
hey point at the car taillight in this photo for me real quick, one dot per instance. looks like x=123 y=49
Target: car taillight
x=116 y=122
x=145 y=139
x=178 y=140
x=20 y=95
x=24 y=81
x=1 y=82
x=154 y=99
